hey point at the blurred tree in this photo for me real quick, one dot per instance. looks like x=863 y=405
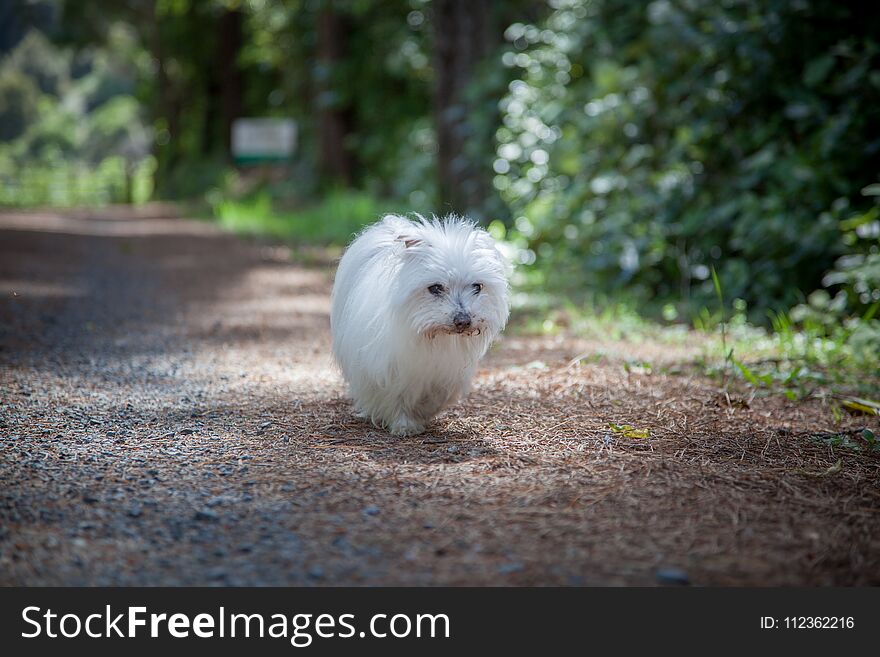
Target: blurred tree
x=18 y=103
x=35 y=58
x=231 y=41
x=333 y=105
x=224 y=82
x=191 y=79
x=356 y=77
x=468 y=84
x=464 y=34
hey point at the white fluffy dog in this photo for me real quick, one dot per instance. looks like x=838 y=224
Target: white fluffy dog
x=415 y=305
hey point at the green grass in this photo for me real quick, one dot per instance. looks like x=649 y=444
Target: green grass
x=332 y=220
x=62 y=183
x=788 y=359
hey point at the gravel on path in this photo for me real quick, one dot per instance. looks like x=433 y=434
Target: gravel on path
x=170 y=416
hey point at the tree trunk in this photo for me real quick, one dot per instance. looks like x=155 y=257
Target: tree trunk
x=167 y=106
x=334 y=119
x=224 y=84
x=463 y=36
x=231 y=78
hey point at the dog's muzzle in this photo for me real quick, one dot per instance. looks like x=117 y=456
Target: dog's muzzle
x=462 y=322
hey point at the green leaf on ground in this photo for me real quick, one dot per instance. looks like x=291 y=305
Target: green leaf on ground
x=628 y=431
x=849 y=440
x=748 y=374
x=859 y=406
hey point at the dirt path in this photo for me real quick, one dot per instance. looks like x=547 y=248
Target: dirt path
x=169 y=415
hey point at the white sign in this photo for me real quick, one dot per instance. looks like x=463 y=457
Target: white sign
x=263 y=140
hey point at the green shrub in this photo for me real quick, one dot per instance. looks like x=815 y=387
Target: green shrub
x=647 y=143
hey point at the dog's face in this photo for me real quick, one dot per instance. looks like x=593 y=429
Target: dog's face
x=452 y=281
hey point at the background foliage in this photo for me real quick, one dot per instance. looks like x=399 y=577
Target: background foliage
x=72 y=132
x=624 y=150
x=663 y=140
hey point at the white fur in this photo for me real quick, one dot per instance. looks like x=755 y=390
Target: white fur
x=394 y=340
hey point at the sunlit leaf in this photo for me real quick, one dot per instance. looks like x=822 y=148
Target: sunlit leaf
x=748 y=374
x=858 y=406
x=628 y=431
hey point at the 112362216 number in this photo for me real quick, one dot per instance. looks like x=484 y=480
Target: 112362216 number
x=818 y=622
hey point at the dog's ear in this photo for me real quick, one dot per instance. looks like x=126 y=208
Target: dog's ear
x=409 y=241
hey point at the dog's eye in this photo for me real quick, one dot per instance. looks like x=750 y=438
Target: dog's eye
x=477 y=287
x=436 y=289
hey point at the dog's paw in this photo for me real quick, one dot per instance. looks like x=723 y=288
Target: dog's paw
x=405 y=426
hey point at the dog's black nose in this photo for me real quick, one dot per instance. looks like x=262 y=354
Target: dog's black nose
x=462 y=321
